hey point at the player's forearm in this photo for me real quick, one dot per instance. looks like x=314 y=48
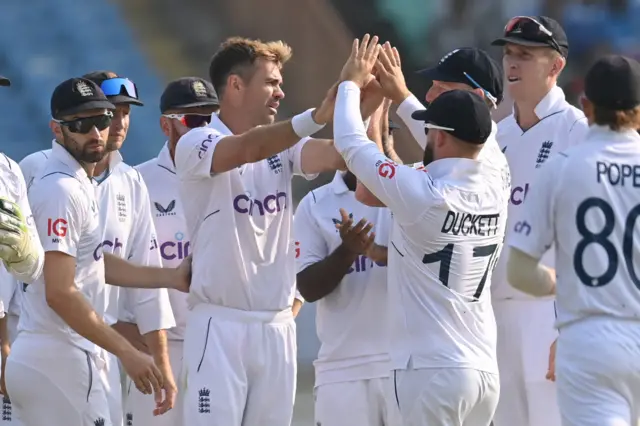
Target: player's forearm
x=74 y=310
x=4 y=331
x=123 y=273
x=319 y=155
x=156 y=341
x=527 y=275
x=130 y=332
x=295 y=308
x=366 y=197
x=389 y=149
x=322 y=278
x=264 y=141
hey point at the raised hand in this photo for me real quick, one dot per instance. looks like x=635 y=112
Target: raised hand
x=324 y=113
x=359 y=66
x=357 y=239
x=388 y=71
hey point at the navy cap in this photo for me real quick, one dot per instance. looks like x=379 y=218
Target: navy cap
x=120 y=90
x=77 y=95
x=4 y=81
x=188 y=92
x=613 y=82
x=461 y=113
x=470 y=66
x=536 y=31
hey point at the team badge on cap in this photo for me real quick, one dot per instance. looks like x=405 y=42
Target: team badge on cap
x=84 y=89
x=198 y=89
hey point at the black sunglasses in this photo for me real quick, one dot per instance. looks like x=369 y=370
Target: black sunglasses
x=85 y=124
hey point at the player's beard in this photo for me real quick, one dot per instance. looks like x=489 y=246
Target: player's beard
x=82 y=153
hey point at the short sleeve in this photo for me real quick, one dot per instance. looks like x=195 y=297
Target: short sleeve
x=60 y=212
x=294 y=154
x=533 y=231
x=310 y=245
x=194 y=153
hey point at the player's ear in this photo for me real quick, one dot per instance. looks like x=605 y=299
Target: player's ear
x=587 y=108
x=558 y=64
x=56 y=128
x=165 y=125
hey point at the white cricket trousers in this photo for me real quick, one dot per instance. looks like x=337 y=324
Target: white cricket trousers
x=358 y=402
x=139 y=407
x=526 y=331
x=54 y=383
x=444 y=396
x=8 y=416
x=240 y=367
x=598 y=374
x=112 y=385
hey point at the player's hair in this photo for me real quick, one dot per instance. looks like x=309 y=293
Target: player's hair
x=617 y=119
x=236 y=55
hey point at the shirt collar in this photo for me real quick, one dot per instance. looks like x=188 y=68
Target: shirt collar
x=60 y=153
x=553 y=102
x=164 y=158
x=217 y=124
x=338 y=185
x=600 y=133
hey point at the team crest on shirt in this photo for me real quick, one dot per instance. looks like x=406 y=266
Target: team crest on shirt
x=165 y=211
x=543 y=154
x=121 y=205
x=99 y=422
x=6 y=409
x=204 y=401
x=275 y=164
x=129 y=419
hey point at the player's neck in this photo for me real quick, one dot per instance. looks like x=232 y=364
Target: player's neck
x=525 y=110
x=101 y=166
x=235 y=121
x=350 y=180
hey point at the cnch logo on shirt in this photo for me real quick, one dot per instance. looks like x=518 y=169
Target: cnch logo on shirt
x=56 y=228
x=177 y=249
x=272 y=203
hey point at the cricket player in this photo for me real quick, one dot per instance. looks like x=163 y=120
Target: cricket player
x=235 y=184
x=334 y=269
x=63 y=310
x=586 y=201
x=22 y=256
x=543 y=123
x=128 y=227
x=448 y=229
x=186 y=103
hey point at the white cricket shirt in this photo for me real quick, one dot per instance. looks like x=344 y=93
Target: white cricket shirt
x=561 y=126
x=66 y=215
x=162 y=182
x=586 y=201
x=240 y=224
x=127 y=228
x=129 y=233
x=448 y=229
x=351 y=321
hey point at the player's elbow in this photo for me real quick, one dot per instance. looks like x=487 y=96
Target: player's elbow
x=56 y=297
x=525 y=274
x=306 y=287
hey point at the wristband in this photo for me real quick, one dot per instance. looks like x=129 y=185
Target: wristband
x=303 y=124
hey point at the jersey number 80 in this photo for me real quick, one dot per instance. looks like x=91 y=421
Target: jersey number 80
x=602 y=239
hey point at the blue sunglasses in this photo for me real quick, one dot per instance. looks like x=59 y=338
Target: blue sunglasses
x=114 y=86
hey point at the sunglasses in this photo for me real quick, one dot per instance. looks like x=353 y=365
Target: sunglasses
x=86 y=124
x=532 y=28
x=115 y=87
x=492 y=99
x=191 y=121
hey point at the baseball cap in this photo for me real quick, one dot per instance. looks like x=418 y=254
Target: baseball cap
x=471 y=66
x=119 y=90
x=188 y=92
x=536 y=31
x=77 y=95
x=461 y=113
x=613 y=82
x=4 y=81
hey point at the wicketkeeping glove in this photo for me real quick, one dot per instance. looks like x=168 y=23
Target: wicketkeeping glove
x=17 y=250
